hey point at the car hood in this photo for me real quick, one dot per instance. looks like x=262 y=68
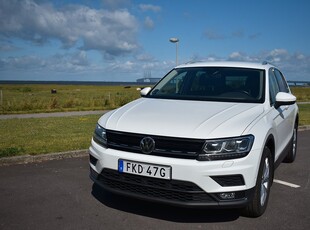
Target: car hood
x=179 y=118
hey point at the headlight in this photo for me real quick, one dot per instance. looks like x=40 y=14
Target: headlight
x=228 y=148
x=100 y=136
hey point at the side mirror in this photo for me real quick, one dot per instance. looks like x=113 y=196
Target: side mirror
x=284 y=99
x=145 y=91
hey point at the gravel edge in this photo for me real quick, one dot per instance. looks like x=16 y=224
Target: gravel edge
x=42 y=157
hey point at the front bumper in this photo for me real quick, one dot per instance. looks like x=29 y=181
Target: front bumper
x=178 y=193
x=193 y=183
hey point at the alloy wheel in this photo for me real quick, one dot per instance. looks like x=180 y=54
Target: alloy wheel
x=265 y=182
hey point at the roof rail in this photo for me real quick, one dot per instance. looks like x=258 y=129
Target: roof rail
x=267 y=63
x=192 y=62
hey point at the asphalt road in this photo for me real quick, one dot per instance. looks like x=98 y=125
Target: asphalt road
x=59 y=195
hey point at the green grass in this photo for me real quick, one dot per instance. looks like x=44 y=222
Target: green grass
x=302 y=93
x=304 y=114
x=38 y=98
x=45 y=135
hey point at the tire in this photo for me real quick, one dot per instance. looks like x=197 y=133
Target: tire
x=262 y=189
x=291 y=155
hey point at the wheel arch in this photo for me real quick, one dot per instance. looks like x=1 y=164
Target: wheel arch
x=270 y=143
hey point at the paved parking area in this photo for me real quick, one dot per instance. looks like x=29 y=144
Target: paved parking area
x=59 y=195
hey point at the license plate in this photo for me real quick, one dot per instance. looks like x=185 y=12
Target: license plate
x=144 y=169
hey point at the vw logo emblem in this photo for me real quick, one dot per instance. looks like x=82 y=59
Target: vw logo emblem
x=147 y=145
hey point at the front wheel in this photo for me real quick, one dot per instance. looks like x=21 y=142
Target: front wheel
x=262 y=189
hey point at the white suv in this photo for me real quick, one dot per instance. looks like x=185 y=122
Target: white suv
x=208 y=134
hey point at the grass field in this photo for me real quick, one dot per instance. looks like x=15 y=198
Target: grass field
x=302 y=93
x=304 y=114
x=38 y=98
x=45 y=135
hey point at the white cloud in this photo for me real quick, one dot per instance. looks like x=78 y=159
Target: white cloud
x=295 y=66
x=71 y=62
x=213 y=35
x=254 y=36
x=237 y=34
x=115 y=4
x=240 y=56
x=277 y=53
x=235 y=55
x=149 y=7
x=21 y=63
x=144 y=58
x=148 y=23
x=111 y=32
x=7 y=47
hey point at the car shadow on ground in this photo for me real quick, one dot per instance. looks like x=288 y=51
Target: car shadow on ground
x=162 y=211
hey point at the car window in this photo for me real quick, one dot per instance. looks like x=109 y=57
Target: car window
x=212 y=83
x=281 y=81
x=172 y=84
x=273 y=87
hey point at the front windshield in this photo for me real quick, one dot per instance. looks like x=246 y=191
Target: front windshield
x=212 y=84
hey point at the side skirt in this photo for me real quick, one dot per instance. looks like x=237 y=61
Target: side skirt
x=283 y=154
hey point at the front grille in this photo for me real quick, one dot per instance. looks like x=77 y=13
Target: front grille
x=164 y=146
x=230 y=180
x=164 y=190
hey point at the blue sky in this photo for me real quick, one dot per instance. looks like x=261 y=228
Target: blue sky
x=123 y=40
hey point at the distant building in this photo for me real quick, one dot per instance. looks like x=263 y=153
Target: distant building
x=148 y=80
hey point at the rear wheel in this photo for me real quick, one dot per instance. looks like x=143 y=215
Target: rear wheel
x=293 y=148
x=262 y=189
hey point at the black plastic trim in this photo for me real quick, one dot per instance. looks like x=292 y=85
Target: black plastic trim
x=213 y=202
x=283 y=154
x=175 y=147
x=229 y=180
x=92 y=160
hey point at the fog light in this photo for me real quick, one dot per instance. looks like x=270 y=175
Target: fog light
x=227 y=195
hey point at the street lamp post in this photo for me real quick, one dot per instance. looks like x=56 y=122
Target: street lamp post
x=176 y=41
